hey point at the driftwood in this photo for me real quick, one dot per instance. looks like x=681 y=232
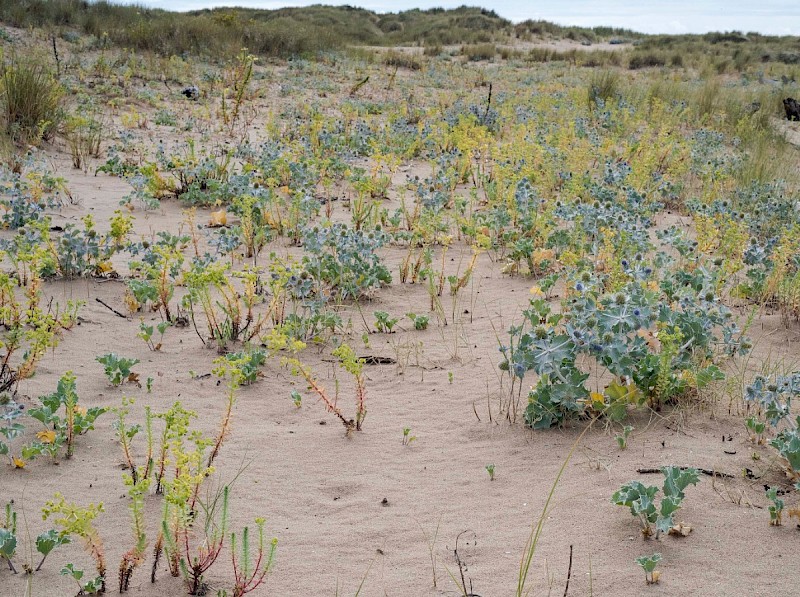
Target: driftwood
x=705 y=471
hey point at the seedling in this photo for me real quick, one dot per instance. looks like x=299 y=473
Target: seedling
x=146 y=334
x=420 y=321
x=118 y=369
x=407 y=437
x=648 y=564
x=641 y=499
x=622 y=438
x=776 y=508
x=384 y=323
x=297 y=398
x=91 y=587
x=756 y=429
x=490 y=470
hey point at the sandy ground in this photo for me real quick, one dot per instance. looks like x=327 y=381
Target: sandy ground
x=368 y=509
x=346 y=509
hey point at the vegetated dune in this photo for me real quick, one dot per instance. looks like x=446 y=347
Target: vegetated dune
x=558 y=274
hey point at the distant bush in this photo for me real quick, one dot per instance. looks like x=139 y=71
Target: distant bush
x=648 y=60
x=477 y=52
x=402 y=60
x=788 y=57
x=30 y=99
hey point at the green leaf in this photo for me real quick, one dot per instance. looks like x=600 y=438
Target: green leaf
x=8 y=543
x=70 y=570
x=49 y=540
x=669 y=505
x=648 y=563
x=677 y=479
x=708 y=375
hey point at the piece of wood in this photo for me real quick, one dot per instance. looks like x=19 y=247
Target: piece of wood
x=705 y=471
x=110 y=308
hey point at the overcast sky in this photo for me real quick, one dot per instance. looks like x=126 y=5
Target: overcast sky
x=778 y=17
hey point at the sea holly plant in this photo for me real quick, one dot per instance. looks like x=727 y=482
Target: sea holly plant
x=146 y=333
x=420 y=321
x=46 y=542
x=61 y=429
x=8 y=537
x=345 y=260
x=776 y=508
x=642 y=501
x=10 y=427
x=656 y=348
x=773 y=396
x=118 y=369
x=94 y=586
x=384 y=323
x=622 y=438
x=648 y=564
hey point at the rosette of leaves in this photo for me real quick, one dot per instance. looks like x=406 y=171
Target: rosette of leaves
x=643 y=503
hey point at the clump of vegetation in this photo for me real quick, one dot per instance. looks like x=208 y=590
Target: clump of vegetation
x=641 y=499
x=30 y=100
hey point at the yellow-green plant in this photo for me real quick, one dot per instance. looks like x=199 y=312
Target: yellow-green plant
x=134 y=557
x=78 y=522
x=353 y=365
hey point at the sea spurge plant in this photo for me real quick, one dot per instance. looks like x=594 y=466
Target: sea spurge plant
x=135 y=556
x=249 y=574
x=77 y=521
x=350 y=363
x=201 y=544
x=188 y=457
x=355 y=367
x=641 y=499
x=160 y=266
x=236 y=369
x=28 y=328
x=228 y=312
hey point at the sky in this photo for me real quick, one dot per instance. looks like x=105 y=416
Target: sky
x=775 y=17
